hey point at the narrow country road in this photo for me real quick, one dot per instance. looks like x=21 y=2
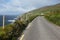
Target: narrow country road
x=41 y=29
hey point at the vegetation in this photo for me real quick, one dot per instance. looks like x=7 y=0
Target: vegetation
x=53 y=14
x=5 y=34
x=54 y=17
x=13 y=31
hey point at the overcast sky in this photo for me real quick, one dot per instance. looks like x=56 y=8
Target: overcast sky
x=16 y=7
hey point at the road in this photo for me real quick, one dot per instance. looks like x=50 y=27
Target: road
x=41 y=29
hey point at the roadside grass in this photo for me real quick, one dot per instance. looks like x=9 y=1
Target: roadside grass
x=13 y=31
x=54 y=17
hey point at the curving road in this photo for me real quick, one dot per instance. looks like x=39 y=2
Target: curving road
x=41 y=29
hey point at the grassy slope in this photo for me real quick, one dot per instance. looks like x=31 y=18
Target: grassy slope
x=52 y=13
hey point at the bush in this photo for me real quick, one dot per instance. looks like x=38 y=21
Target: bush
x=13 y=31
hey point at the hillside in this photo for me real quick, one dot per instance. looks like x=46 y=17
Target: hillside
x=46 y=9
x=52 y=13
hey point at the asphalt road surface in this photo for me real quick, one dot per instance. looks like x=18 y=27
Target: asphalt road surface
x=41 y=29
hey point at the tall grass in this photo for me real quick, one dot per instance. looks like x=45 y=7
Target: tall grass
x=53 y=16
x=13 y=31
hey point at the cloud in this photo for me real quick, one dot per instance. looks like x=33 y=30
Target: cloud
x=21 y=6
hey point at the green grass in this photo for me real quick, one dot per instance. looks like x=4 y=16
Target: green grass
x=4 y=33
x=54 y=16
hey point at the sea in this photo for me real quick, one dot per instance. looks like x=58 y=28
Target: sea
x=8 y=19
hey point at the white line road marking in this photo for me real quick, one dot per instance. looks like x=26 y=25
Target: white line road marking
x=28 y=26
x=26 y=29
x=22 y=37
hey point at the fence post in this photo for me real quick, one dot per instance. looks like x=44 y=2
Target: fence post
x=3 y=21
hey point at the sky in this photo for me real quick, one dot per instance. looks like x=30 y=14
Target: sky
x=16 y=7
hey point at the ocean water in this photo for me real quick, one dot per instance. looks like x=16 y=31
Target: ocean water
x=7 y=18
